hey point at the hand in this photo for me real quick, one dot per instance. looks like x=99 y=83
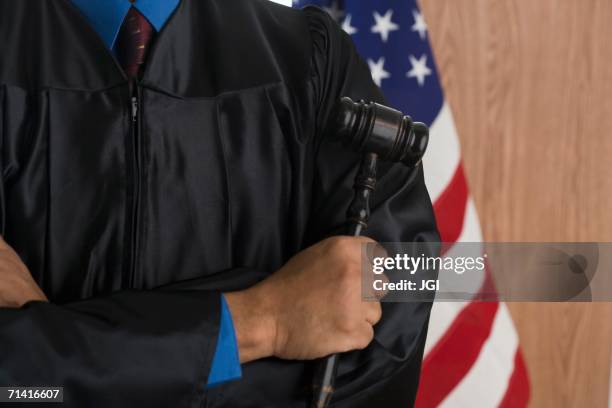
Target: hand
x=312 y=307
x=17 y=287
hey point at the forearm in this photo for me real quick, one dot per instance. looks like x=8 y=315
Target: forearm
x=113 y=349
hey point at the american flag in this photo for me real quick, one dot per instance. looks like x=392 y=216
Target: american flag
x=472 y=356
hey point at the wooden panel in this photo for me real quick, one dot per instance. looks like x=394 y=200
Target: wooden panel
x=530 y=85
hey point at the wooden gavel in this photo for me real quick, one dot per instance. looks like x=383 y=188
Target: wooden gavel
x=380 y=133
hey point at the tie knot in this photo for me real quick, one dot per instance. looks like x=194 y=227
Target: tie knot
x=133 y=42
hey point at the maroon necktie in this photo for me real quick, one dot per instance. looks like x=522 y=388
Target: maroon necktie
x=133 y=42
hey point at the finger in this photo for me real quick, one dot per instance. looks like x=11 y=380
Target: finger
x=376 y=286
x=379 y=294
x=365 y=240
x=366 y=336
x=373 y=312
x=373 y=250
x=380 y=251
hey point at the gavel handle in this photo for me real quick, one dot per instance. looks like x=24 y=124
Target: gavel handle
x=325 y=374
x=358 y=216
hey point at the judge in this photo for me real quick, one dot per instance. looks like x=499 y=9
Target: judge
x=168 y=202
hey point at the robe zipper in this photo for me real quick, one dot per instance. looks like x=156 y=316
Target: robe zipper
x=135 y=134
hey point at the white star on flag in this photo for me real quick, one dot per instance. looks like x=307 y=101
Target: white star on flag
x=378 y=70
x=419 y=69
x=347 y=27
x=335 y=11
x=419 y=24
x=384 y=25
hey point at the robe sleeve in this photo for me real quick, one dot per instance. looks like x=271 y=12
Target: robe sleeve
x=127 y=349
x=401 y=212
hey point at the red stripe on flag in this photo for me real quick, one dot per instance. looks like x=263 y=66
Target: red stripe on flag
x=450 y=207
x=454 y=354
x=517 y=393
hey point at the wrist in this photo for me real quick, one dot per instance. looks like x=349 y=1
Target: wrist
x=254 y=323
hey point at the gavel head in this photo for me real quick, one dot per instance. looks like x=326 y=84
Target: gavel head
x=373 y=128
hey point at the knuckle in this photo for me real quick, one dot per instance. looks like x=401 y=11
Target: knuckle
x=340 y=246
x=348 y=272
x=381 y=250
x=365 y=339
x=382 y=288
x=365 y=240
x=346 y=344
x=349 y=247
x=347 y=326
x=376 y=312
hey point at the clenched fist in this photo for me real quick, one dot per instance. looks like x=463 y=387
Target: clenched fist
x=312 y=307
x=17 y=287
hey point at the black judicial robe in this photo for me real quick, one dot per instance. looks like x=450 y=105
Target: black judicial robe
x=133 y=224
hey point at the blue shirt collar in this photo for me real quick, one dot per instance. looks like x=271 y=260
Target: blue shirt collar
x=107 y=16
